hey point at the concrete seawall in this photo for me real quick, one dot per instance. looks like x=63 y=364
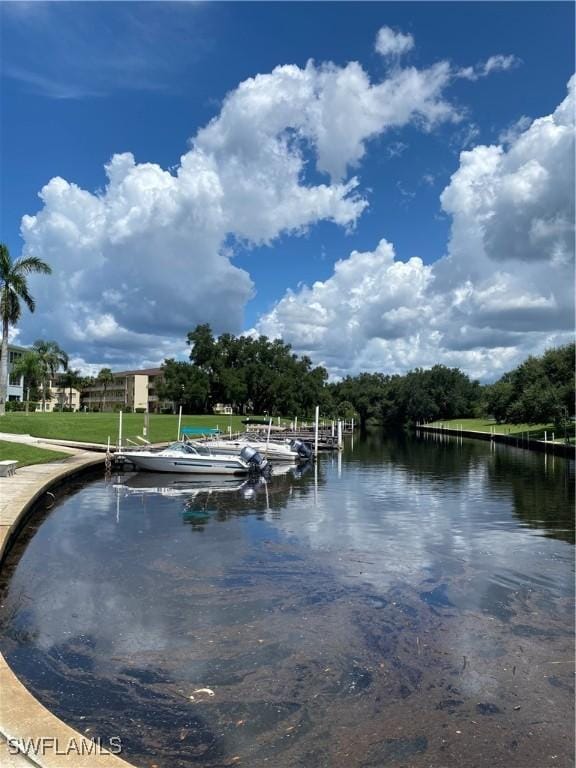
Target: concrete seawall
x=517 y=441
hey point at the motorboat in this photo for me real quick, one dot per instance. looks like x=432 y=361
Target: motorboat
x=290 y=451
x=188 y=458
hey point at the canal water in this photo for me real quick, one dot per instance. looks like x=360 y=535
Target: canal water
x=408 y=603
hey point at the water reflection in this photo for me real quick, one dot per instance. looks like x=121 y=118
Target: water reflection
x=205 y=497
x=402 y=603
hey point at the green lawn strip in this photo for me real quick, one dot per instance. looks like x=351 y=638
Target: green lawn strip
x=28 y=454
x=97 y=427
x=533 y=431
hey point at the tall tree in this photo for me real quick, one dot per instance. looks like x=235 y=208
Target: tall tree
x=13 y=290
x=30 y=367
x=52 y=359
x=105 y=378
x=71 y=379
x=539 y=390
x=185 y=385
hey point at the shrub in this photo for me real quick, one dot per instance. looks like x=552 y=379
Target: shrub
x=15 y=405
x=19 y=406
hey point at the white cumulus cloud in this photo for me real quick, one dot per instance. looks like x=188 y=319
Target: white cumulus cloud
x=139 y=263
x=503 y=290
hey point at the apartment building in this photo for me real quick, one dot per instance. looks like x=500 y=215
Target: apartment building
x=15 y=383
x=128 y=390
x=61 y=397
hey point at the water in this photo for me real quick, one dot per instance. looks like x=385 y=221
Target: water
x=407 y=604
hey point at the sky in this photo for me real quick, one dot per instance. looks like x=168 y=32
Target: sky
x=383 y=185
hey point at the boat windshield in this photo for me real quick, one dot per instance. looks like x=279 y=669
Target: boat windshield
x=181 y=448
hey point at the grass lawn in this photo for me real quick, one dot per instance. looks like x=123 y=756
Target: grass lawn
x=97 y=427
x=28 y=454
x=534 y=431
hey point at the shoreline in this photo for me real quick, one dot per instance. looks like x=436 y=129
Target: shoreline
x=543 y=446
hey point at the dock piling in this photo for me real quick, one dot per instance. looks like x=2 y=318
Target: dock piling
x=120 y=429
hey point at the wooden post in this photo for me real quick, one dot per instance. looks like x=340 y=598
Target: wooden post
x=179 y=422
x=339 y=435
x=296 y=424
x=120 y=429
x=332 y=428
x=317 y=416
x=352 y=425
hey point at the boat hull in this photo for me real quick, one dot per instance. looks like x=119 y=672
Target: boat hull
x=272 y=451
x=213 y=465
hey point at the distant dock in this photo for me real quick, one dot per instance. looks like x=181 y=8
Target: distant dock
x=521 y=440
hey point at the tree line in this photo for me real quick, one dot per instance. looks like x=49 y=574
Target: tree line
x=265 y=376
x=539 y=391
x=253 y=375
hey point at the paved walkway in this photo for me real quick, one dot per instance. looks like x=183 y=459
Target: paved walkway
x=51 y=743
x=48 y=442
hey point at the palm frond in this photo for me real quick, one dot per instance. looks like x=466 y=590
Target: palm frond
x=19 y=286
x=29 y=264
x=5 y=261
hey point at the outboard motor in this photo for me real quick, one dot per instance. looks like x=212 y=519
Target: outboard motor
x=303 y=449
x=255 y=460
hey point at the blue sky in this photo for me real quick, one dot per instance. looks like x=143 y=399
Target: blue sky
x=82 y=82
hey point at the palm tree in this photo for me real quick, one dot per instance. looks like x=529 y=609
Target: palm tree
x=52 y=358
x=105 y=377
x=30 y=367
x=71 y=379
x=13 y=288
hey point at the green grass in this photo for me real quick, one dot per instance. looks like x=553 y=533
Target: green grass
x=97 y=427
x=534 y=431
x=28 y=454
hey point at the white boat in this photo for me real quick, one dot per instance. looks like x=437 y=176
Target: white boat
x=186 y=458
x=288 y=451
